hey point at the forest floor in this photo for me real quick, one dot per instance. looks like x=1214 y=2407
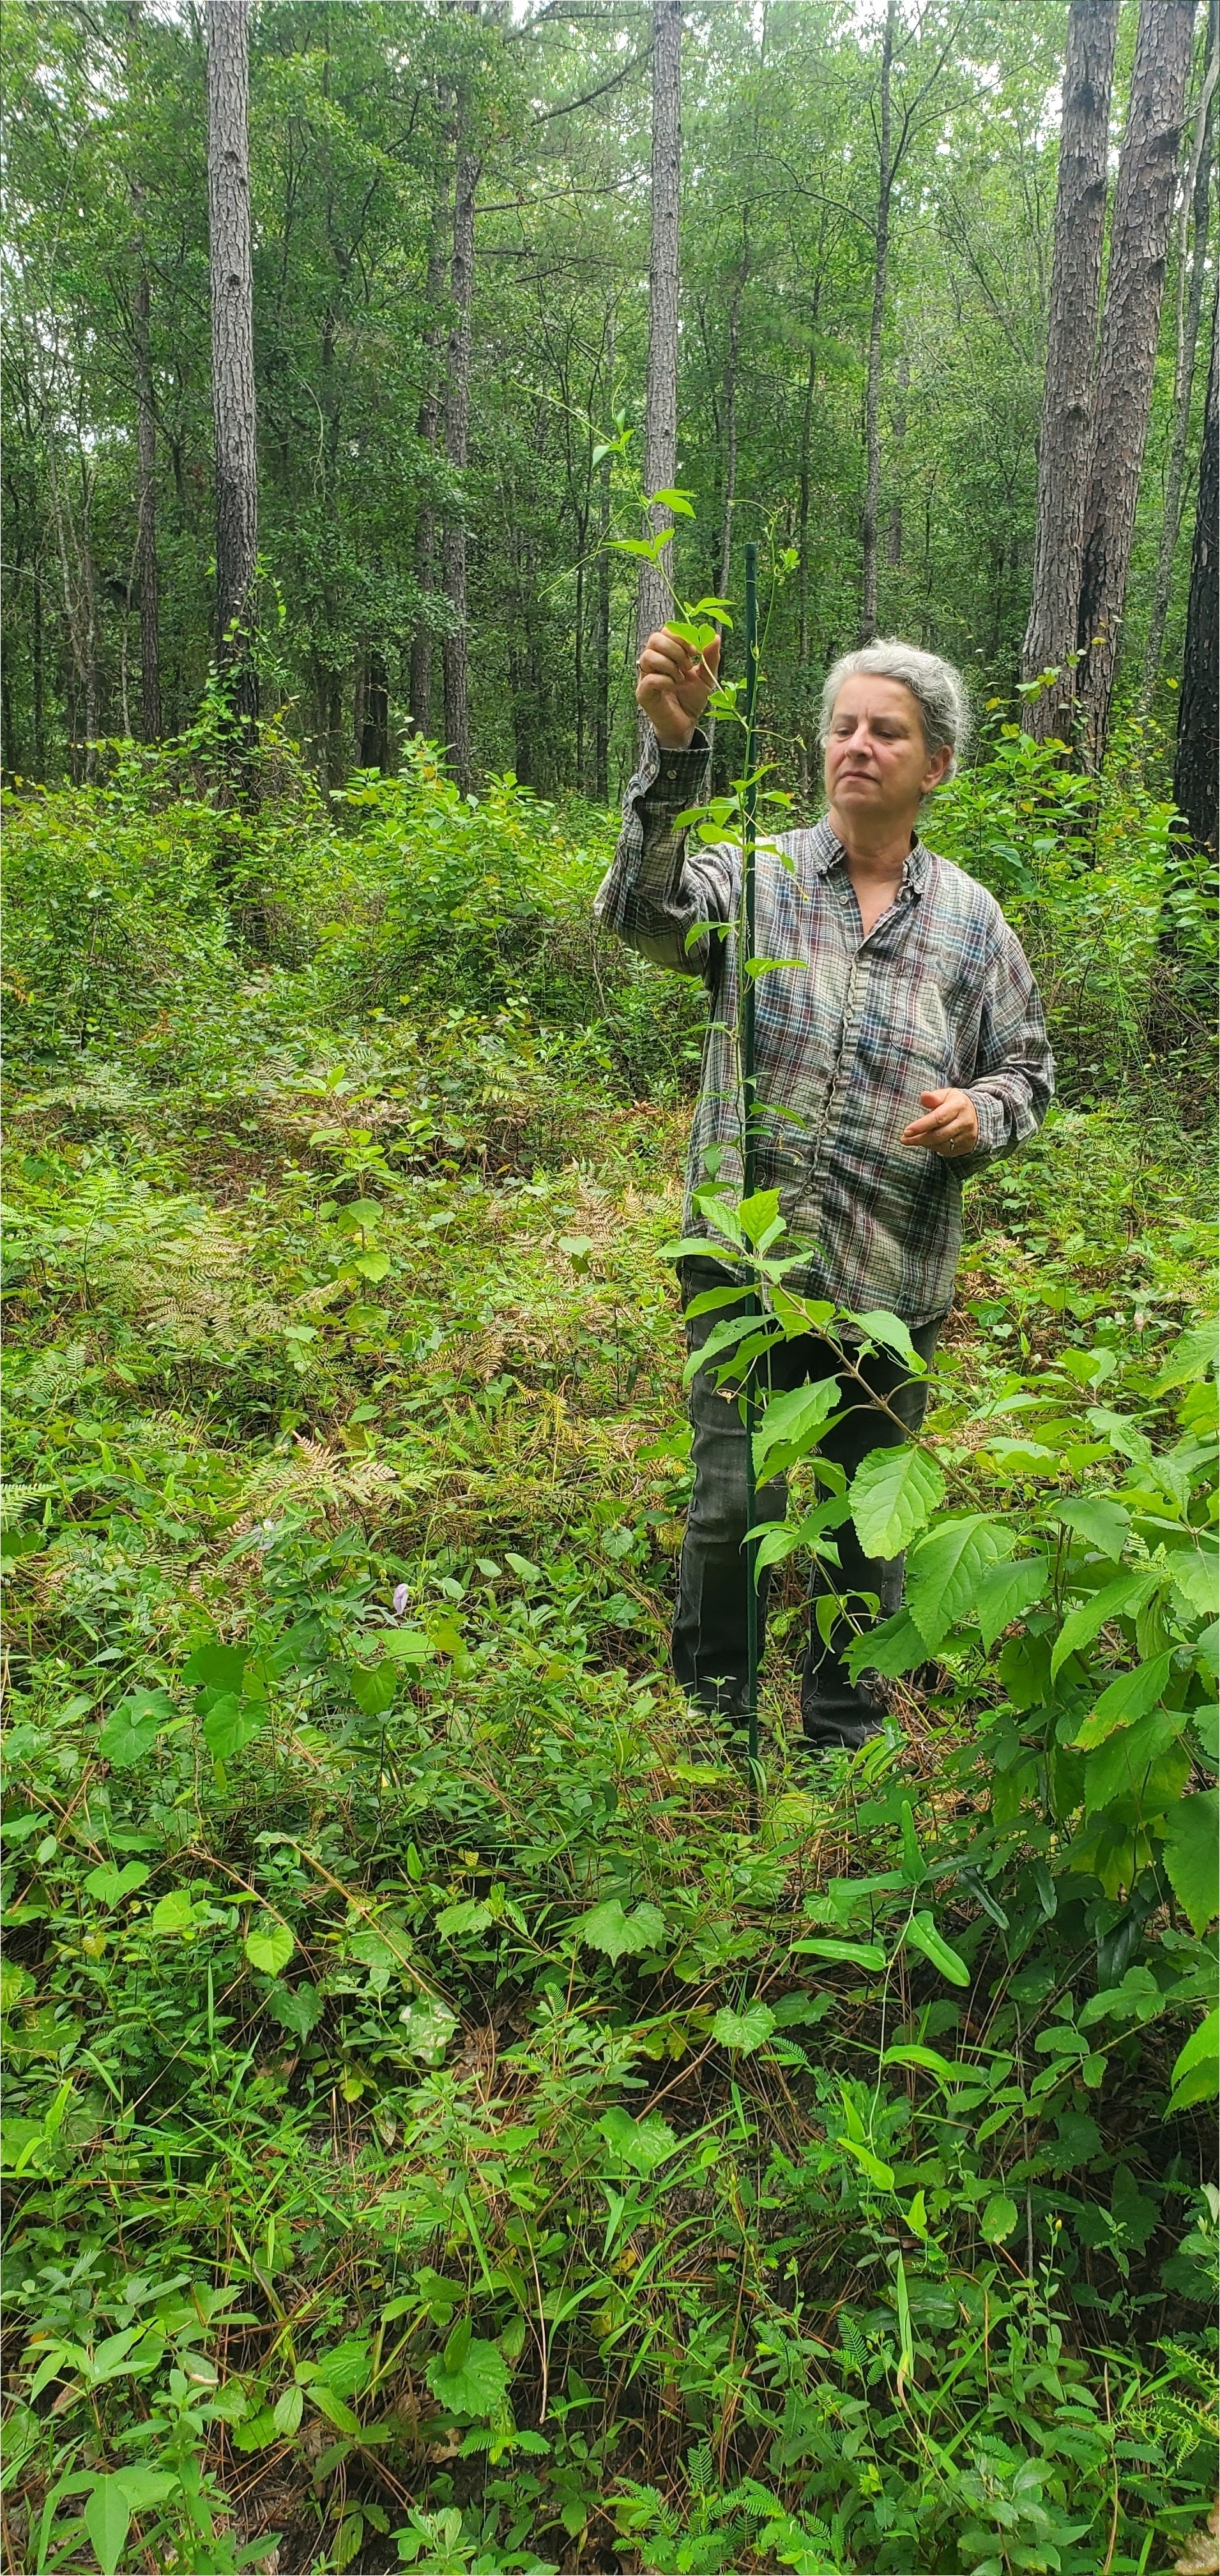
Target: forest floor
x=429 y=2142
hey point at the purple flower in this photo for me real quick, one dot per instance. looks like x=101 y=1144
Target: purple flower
x=402 y=1594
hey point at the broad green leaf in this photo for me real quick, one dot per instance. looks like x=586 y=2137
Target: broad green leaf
x=921 y=1930
x=621 y=1935
x=911 y=2053
x=881 y=2174
x=890 y=1330
x=175 y=1914
x=1191 y=1856
x=789 y=1426
x=216 y=1667
x=744 y=2031
x=1006 y=1591
x=108 y=2521
x=287 y=2412
x=1190 y=1360
x=1130 y=1764
x=296 y=2008
x=230 y=1724
x=640 y=2144
x=132 y=1730
x=477 y=2386
x=1115 y=1600
x=671 y=498
x=373 y=1686
x=853 y=1954
x=1195 y=1576
x=999 y=2218
x=1129 y=1697
x=428 y=2027
x=893 y=1647
x=15 y=1982
x=1099 y=1520
x=269 y=1945
x=944 y=1571
x=110 y=1884
x=1196 y=2068
x=893 y=1494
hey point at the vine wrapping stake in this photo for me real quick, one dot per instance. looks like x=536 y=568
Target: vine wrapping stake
x=746 y=983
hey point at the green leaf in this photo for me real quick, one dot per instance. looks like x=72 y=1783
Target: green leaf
x=853 y=1954
x=1191 y=1857
x=175 y=1914
x=1195 y=1576
x=744 y=2031
x=132 y=1730
x=1115 y=1601
x=621 y=1935
x=893 y=1494
x=944 y=1571
x=230 y=1724
x=1099 y=1520
x=216 y=1667
x=789 y=1426
x=108 y=2521
x=110 y=1884
x=287 y=2412
x=477 y=2385
x=1196 y=2068
x=922 y=1931
x=910 y=2053
x=881 y=2174
x=1130 y=1764
x=373 y=1686
x=297 y=2008
x=999 y=2218
x=1190 y=1360
x=1129 y=1697
x=641 y=2144
x=672 y=499
x=269 y=1945
x=1006 y=1591
x=893 y=1647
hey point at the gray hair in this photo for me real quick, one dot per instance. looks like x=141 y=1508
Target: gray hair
x=938 y=690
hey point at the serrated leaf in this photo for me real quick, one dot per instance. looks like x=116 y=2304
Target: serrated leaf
x=921 y=1930
x=944 y=1571
x=1191 y=1857
x=999 y=2218
x=1131 y=1764
x=1099 y=1520
x=641 y=2144
x=1190 y=1359
x=269 y=1945
x=743 y=2031
x=1195 y=1577
x=478 y=2387
x=790 y=1424
x=1115 y=1601
x=1124 y=1700
x=1005 y=1592
x=893 y=1647
x=618 y=1934
x=893 y=1494
x=296 y=2008
x=1196 y=2068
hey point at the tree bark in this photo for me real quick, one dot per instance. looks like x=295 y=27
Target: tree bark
x=455 y=653
x=427 y=428
x=1071 y=350
x=661 y=411
x=146 y=495
x=872 y=391
x=375 y=715
x=233 y=407
x=1198 y=744
x=1139 y=243
x=1196 y=208
x=730 y=408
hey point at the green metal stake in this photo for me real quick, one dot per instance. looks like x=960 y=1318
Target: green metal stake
x=748 y=1104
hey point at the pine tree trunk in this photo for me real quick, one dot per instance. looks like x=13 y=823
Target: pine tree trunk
x=1196 y=208
x=1071 y=349
x=146 y=501
x=233 y=409
x=1139 y=244
x=375 y=715
x=872 y=391
x=1198 y=745
x=427 y=428
x=661 y=413
x=455 y=655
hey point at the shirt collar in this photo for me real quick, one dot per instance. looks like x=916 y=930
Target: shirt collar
x=826 y=850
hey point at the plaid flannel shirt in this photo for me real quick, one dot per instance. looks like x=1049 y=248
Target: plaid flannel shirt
x=848 y=1033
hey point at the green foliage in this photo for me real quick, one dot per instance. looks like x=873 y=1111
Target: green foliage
x=428 y=2070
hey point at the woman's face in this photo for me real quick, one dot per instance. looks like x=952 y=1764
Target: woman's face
x=878 y=764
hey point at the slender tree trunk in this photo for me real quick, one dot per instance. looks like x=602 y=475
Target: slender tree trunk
x=804 y=713
x=455 y=653
x=375 y=716
x=601 y=705
x=427 y=429
x=1071 y=350
x=1196 y=204
x=893 y=534
x=1139 y=243
x=661 y=413
x=730 y=407
x=872 y=392
x=1198 y=746
x=146 y=496
x=40 y=739
x=233 y=410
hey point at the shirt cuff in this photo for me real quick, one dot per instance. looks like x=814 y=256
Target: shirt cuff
x=678 y=772
x=993 y=1124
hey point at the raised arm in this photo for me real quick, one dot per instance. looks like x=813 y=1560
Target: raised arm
x=658 y=892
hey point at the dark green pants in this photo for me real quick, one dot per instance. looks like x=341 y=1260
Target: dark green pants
x=709 y=1638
